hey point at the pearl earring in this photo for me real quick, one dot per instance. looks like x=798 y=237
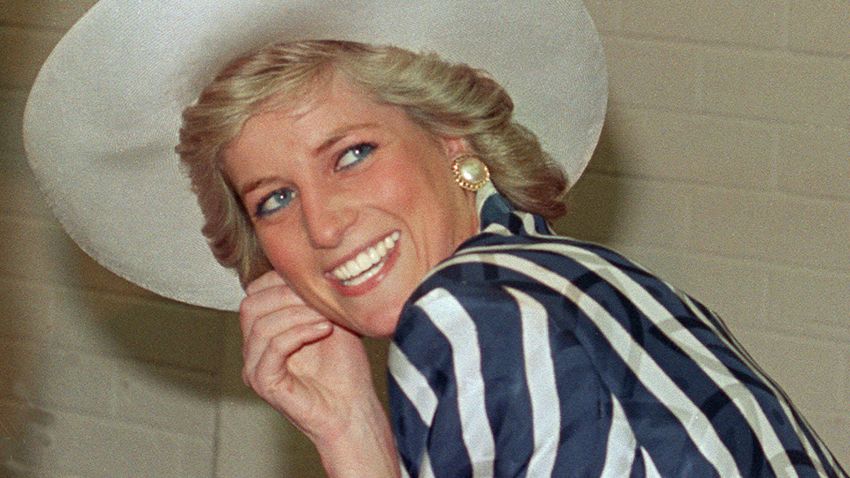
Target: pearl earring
x=470 y=172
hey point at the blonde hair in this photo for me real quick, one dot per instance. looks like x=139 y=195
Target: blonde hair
x=449 y=100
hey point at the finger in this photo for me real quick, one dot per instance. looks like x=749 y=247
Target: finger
x=269 y=327
x=270 y=368
x=272 y=297
x=265 y=302
x=269 y=279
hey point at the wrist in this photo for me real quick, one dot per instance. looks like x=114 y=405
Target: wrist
x=364 y=447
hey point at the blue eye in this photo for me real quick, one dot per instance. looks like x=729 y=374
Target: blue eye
x=354 y=155
x=275 y=201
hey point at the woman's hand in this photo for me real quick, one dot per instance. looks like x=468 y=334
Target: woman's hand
x=316 y=374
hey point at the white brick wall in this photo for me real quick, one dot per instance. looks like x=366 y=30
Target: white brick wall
x=723 y=166
x=820 y=26
x=720 y=21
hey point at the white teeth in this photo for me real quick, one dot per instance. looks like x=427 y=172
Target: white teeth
x=373 y=254
x=363 y=260
x=367 y=263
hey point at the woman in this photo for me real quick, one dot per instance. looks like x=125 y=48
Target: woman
x=347 y=186
x=515 y=352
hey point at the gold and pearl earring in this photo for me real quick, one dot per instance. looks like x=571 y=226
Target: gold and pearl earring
x=470 y=172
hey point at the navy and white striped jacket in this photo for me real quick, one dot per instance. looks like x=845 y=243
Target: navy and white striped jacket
x=529 y=354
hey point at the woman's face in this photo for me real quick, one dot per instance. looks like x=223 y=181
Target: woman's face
x=352 y=202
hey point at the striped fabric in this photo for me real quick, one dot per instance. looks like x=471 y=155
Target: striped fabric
x=529 y=354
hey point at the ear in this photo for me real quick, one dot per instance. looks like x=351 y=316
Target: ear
x=454 y=146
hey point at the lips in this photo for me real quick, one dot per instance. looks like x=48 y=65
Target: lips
x=367 y=263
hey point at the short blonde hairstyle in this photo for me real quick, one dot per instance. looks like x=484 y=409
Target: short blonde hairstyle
x=446 y=99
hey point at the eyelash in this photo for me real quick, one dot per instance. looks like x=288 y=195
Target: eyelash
x=365 y=149
x=286 y=195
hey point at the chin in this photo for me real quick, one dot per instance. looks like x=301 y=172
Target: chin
x=380 y=325
x=375 y=315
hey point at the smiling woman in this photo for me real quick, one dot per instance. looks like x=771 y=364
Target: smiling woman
x=368 y=190
x=329 y=104
x=400 y=193
x=446 y=102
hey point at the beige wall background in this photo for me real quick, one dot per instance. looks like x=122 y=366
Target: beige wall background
x=723 y=167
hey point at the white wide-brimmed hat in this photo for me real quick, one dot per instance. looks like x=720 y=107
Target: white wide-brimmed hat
x=102 y=118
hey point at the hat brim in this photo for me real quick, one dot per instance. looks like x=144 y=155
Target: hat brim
x=102 y=118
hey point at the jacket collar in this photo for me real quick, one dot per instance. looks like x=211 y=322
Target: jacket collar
x=497 y=215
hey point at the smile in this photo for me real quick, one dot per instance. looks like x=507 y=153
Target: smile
x=367 y=264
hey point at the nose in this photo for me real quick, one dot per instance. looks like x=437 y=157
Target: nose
x=326 y=217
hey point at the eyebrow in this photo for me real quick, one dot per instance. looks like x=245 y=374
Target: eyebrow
x=340 y=133
x=336 y=136
x=252 y=185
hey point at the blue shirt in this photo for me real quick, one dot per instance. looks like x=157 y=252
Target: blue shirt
x=530 y=354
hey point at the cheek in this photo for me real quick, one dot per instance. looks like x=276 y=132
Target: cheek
x=282 y=251
x=394 y=188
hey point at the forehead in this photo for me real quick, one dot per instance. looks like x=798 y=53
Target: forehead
x=303 y=122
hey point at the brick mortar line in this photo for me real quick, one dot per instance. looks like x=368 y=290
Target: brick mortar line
x=753 y=265
x=759 y=265
x=785 y=11
x=774 y=262
x=724 y=47
x=209 y=377
x=109 y=421
x=701 y=112
x=625 y=106
x=767 y=191
x=12 y=93
x=42 y=219
x=690 y=250
x=34 y=27
x=824 y=336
